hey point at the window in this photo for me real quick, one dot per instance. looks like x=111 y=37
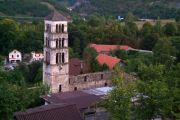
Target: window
x=47 y=57
x=17 y=55
x=102 y=76
x=47 y=42
x=60 y=88
x=63 y=42
x=12 y=56
x=59 y=42
x=62 y=28
x=63 y=58
x=57 y=28
x=48 y=28
x=85 y=79
x=105 y=84
x=75 y=88
x=58 y=58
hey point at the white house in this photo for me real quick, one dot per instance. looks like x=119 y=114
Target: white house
x=15 y=56
x=36 y=56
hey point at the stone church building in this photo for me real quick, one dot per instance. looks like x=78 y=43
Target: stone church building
x=56 y=66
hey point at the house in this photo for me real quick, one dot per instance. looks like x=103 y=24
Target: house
x=15 y=56
x=110 y=61
x=36 y=56
x=50 y=112
x=105 y=49
x=85 y=100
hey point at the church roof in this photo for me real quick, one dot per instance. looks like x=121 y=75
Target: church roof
x=56 y=16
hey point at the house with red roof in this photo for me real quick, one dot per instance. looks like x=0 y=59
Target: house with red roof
x=100 y=48
x=110 y=61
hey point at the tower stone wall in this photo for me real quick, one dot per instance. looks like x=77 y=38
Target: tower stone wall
x=56 y=54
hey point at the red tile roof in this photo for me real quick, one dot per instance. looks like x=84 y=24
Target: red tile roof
x=80 y=98
x=108 y=60
x=108 y=48
x=50 y=112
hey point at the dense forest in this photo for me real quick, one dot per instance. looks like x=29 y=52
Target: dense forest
x=141 y=8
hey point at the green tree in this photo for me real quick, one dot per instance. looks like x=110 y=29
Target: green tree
x=146 y=29
x=164 y=52
x=170 y=29
x=158 y=27
x=118 y=101
x=157 y=99
x=148 y=42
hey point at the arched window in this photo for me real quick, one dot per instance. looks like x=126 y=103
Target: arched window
x=75 y=88
x=63 y=58
x=63 y=42
x=57 y=43
x=62 y=28
x=60 y=88
x=57 y=28
x=47 y=58
x=58 y=58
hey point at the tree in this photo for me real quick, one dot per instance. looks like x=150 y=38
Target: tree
x=164 y=52
x=157 y=99
x=170 y=29
x=158 y=27
x=130 y=17
x=148 y=42
x=118 y=101
x=8 y=35
x=176 y=43
x=146 y=29
x=15 y=94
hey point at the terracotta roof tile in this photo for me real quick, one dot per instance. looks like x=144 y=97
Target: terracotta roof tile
x=108 y=48
x=108 y=60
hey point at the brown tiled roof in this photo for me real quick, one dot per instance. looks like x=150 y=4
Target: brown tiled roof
x=80 y=98
x=50 y=112
x=56 y=16
x=77 y=67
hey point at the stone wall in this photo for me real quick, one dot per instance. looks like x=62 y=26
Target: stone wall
x=91 y=80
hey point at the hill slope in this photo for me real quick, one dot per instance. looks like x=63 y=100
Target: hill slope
x=141 y=8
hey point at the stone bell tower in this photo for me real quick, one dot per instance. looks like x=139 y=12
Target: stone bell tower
x=56 y=55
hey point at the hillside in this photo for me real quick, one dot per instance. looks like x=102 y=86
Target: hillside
x=28 y=8
x=141 y=8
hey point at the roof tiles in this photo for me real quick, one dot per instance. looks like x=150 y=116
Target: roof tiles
x=108 y=60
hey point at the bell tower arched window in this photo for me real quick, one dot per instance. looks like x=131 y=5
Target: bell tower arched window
x=63 y=42
x=58 y=58
x=62 y=28
x=57 y=28
x=63 y=58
